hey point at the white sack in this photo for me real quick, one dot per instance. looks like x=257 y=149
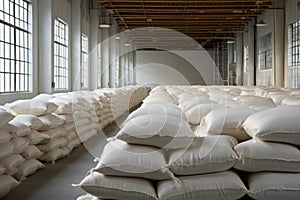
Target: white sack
x=7 y=183
x=6 y=149
x=31 y=152
x=5 y=117
x=279 y=124
x=12 y=161
x=133 y=161
x=4 y=136
x=156 y=130
x=51 y=121
x=31 y=121
x=256 y=156
x=34 y=107
x=205 y=155
x=223 y=185
x=27 y=168
x=196 y=113
x=110 y=187
x=274 y=186
x=228 y=121
x=20 y=143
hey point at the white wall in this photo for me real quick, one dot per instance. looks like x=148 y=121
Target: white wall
x=178 y=67
x=151 y=74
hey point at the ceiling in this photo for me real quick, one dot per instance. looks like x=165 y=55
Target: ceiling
x=206 y=21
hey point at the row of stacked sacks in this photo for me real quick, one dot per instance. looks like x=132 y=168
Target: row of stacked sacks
x=199 y=142
x=18 y=153
x=115 y=103
x=47 y=128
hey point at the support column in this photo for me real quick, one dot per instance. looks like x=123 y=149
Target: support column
x=104 y=58
x=122 y=71
x=45 y=40
x=231 y=70
x=239 y=59
x=112 y=57
x=251 y=51
x=134 y=67
x=76 y=45
x=117 y=63
x=126 y=64
x=130 y=68
x=279 y=47
x=94 y=16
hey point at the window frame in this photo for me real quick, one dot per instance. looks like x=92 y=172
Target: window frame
x=294 y=54
x=61 y=63
x=84 y=67
x=18 y=20
x=265 y=52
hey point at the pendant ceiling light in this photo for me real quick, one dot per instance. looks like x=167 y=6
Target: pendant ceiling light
x=261 y=23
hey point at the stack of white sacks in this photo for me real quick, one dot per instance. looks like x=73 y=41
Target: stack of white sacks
x=254 y=131
x=17 y=151
x=47 y=128
x=116 y=102
x=157 y=156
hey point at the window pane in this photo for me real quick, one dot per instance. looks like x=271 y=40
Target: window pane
x=293 y=55
x=84 y=62
x=15 y=54
x=61 y=51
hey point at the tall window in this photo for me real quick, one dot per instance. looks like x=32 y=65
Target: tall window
x=84 y=62
x=265 y=60
x=294 y=55
x=265 y=52
x=61 y=55
x=15 y=46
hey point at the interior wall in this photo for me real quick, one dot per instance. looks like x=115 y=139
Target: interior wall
x=178 y=67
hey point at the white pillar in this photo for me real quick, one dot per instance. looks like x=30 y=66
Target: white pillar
x=117 y=63
x=130 y=67
x=94 y=30
x=134 y=67
x=279 y=47
x=251 y=51
x=239 y=59
x=104 y=58
x=112 y=57
x=122 y=71
x=76 y=45
x=45 y=46
x=126 y=64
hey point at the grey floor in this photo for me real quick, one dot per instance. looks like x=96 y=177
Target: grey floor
x=54 y=182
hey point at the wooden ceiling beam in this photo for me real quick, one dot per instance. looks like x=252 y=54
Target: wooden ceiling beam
x=191 y=10
x=194 y=15
x=206 y=21
x=183 y=1
x=188 y=4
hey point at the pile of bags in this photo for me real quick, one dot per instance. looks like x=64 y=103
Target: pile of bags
x=17 y=152
x=48 y=127
x=204 y=142
x=158 y=157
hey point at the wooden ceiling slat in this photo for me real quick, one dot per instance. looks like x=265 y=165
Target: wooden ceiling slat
x=202 y=20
